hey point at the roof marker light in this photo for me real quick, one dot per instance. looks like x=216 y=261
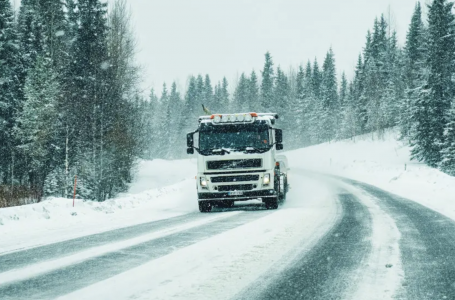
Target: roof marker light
x=217 y=119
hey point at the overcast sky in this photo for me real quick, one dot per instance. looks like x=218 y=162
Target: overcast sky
x=177 y=38
x=227 y=37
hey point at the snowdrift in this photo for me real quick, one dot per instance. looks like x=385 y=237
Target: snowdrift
x=383 y=162
x=162 y=189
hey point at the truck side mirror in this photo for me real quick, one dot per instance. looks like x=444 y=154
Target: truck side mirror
x=190 y=140
x=279 y=136
x=279 y=147
x=190 y=151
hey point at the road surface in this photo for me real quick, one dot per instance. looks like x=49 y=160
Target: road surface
x=333 y=238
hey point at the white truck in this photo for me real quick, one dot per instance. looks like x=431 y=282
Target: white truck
x=237 y=160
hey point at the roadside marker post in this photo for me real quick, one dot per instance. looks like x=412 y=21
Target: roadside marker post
x=75 y=184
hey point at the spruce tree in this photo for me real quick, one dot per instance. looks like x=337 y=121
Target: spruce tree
x=88 y=79
x=192 y=108
x=176 y=114
x=38 y=126
x=434 y=103
x=208 y=93
x=240 y=100
x=281 y=99
x=329 y=97
x=298 y=110
x=448 y=148
x=253 y=103
x=10 y=88
x=343 y=90
x=415 y=53
x=224 y=96
x=267 y=84
x=317 y=121
x=357 y=96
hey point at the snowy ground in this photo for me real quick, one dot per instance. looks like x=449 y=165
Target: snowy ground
x=161 y=190
x=384 y=163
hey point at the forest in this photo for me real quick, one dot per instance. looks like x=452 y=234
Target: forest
x=71 y=103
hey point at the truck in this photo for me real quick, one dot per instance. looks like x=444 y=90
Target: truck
x=237 y=160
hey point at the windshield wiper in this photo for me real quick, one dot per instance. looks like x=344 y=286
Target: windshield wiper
x=253 y=149
x=222 y=150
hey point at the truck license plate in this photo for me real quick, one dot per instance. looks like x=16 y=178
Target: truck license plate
x=236 y=193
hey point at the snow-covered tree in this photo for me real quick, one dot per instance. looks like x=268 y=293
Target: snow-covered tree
x=329 y=98
x=37 y=125
x=267 y=83
x=10 y=88
x=414 y=70
x=434 y=102
x=448 y=148
x=240 y=101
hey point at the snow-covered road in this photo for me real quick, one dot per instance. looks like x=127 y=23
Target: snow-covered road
x=334 y=238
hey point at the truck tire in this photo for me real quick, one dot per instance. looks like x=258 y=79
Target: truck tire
x=284 y=192
x=205 y=206
x=271 y=203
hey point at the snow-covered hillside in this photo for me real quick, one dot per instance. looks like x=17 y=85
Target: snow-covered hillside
x=382 y=162
x=161 y=190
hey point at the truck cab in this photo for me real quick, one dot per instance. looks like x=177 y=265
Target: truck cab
x=237 y=160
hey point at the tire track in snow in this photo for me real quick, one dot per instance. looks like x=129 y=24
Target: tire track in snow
x=427 y=246
x=74 y=277
x=22 y=258
x=325 y=271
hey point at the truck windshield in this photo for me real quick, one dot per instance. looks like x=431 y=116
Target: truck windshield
x=243 y=137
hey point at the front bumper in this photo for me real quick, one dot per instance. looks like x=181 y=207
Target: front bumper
x=247 y=195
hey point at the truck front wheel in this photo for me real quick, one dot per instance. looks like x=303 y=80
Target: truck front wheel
x=205 y=206
x=271 y=203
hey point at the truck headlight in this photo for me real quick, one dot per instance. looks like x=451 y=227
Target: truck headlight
x=266 y=179
x=203 y=182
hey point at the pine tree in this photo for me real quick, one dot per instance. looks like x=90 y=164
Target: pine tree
x=31 y=31
x=10 y=88
x=316 y=80
x=240 y=101
x=343 y=89
x=191 y=107
x=434 y=103
x=298 y=110
x=281 y=99
x=55 y=29
x=37 y=127
x=329 y=97
x=224 y=94
x=448 y=148
x=208 y=92
x=317 y=121
x=357 y=96
x=253 y=103
x=267 y=84
x=89 y=76
x=175 y=111
x=415 y=53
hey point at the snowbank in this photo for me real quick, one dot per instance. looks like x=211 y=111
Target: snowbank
x=163 y=189
x=384 y=163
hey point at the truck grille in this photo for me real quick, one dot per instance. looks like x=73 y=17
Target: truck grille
x=239 y=178
x=234 y=164
x=240 y=187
